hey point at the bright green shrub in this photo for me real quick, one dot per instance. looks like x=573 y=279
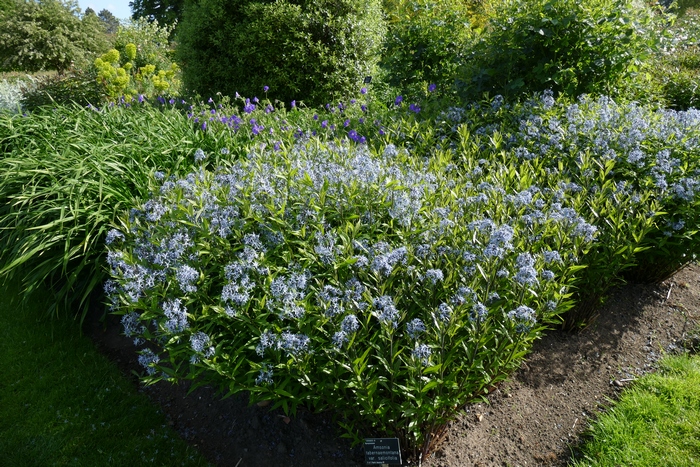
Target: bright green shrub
x=315 y=50
x=572 y=47
x=425 y=44
x=140 y=63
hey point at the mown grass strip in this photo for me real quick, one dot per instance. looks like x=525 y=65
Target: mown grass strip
x=63 y=403
x=656 y=422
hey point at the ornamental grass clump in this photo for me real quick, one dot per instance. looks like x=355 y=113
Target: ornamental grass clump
x=64 y=174
x=386 y=287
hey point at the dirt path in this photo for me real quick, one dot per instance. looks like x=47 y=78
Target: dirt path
x=536 y=418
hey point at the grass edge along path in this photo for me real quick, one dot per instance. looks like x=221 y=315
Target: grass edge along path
x=655 y=422
x=63 y=403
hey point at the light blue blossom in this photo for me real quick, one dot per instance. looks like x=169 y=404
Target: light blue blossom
x=422 y=353
x=148 y=359
x=386 y=311
x=176 y=314
x=114 y=235
x=415 y=328
x=265 y=376
x=186 y=277
x=433 y=276
x=201 y=344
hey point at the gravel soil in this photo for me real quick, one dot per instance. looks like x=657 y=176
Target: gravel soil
x=537 y=417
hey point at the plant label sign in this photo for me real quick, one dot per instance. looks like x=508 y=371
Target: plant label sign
x=382 y=451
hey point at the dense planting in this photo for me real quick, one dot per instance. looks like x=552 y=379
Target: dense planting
x=390 y=254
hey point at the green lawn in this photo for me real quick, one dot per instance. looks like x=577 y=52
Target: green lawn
x=63 y=403
x=656 y=422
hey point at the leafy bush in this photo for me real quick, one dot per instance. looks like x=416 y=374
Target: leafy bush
x=637 y=168
x=426 y=42
x=571 y=47
x=139 y=64
x=47 y=35
x=317 y=50
x=328 y=275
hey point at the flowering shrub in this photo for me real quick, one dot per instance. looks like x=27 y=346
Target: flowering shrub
x=139 y=64
x=11 y=95
x=387 y=287
x=637 y=168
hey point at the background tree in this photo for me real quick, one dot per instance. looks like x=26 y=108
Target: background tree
x=110 y=21
x=166 y=12
x=47 y=35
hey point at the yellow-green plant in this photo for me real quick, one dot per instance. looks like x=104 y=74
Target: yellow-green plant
x=121 y=78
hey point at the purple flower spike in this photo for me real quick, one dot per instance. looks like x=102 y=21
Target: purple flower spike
x=324 y=124
x=363 y=91
x=414 y=108
x=398 y=100
x=346 y=123
x=432 y=87
x=266 y=88
x=294 y=104
x=204 y=126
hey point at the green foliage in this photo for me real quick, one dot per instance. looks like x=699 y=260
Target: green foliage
x=572 y=47
x=676 y=70
x=425 y=44
x=655 y=422
x=316 y=50
x=330 y=275
x=165 y=12
x=109 y=21
x=78 y=410
x=48 y=35
x=65 y=172
x=140 y=63
x=151 y=40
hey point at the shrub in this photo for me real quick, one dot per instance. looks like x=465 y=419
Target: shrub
x=329 y=275
x=637 y=168
x=140 y=63
x=426 y=42
x=571 y=47
x=47 y=35
x=317 y=50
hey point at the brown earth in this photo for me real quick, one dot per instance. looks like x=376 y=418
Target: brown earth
x=536 y=418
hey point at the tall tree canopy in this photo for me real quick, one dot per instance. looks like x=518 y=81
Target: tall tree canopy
x=166 y=12
x=110 y=21
x=47 y=35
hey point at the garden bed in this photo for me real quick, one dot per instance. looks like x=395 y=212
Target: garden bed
x=535 y=418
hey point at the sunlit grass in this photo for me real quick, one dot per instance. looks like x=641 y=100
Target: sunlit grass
x=63 y=403
x=655 y=423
